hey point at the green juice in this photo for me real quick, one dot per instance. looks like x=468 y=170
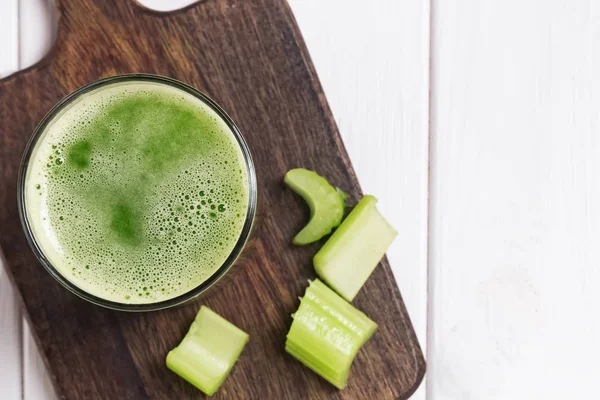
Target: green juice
x=137 y=192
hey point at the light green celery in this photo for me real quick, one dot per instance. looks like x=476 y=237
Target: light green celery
x=340 y=309
x=327 y=333
x=338 y=378
x=207 y=353
x=326 y=203
x=351 y=254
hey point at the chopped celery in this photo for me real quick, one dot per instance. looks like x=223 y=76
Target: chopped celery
x=353 y=251
x=327 y=332
x=326 y=203
x=208 y=351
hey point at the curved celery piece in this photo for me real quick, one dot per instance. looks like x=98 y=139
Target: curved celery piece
x=326 y=203
x=327 y=333
x=351 y=254
x=208 y=352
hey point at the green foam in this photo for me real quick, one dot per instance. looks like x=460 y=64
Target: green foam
x=137 y=192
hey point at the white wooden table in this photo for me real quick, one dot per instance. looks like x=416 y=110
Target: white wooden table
x=477 y=124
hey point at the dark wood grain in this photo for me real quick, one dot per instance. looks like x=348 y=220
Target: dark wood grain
x=250 y=57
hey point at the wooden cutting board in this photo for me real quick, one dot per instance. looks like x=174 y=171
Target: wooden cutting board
x=249 y=56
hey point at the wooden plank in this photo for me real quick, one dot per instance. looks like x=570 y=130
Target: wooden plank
x=36 y=33
x=376 y=79
x=10 y=338
x=135 y=376
x=515 y=200
x=9 y=32
x=37 y=384
x=37 y=30
x=10 y=313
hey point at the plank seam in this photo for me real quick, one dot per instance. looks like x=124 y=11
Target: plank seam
x=429 y=305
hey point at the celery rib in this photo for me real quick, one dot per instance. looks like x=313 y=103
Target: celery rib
x=351 y=254
x=326 y=203
x=327 y=333
x=208 y=351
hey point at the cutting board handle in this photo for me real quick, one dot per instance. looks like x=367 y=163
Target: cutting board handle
x=87 y=9
x=76 y=15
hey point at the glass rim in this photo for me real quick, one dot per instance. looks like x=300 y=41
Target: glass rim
x=190 y=294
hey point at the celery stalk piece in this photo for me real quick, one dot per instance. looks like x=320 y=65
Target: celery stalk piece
x=337 y=378
x=327 y=333
x=351 y=254
x=326 y=203
x=208 y=351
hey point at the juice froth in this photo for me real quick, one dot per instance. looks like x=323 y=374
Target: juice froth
x=137 y=192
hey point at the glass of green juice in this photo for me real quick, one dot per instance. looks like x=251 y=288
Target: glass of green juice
x=137 y=192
